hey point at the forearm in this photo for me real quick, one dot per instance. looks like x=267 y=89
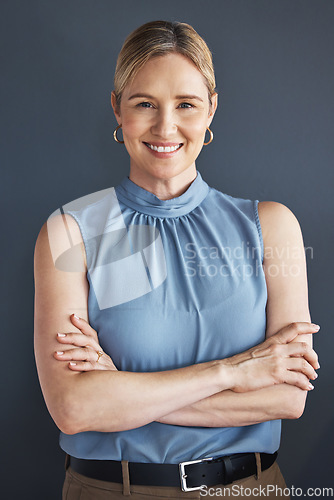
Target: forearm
x=115 y=400
x=231 y=409
x=109 y=401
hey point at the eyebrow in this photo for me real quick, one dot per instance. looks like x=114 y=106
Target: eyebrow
x=186 y=96
x=134 y=96
x=189 y=97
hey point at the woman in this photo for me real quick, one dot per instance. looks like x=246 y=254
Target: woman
x=184 y=332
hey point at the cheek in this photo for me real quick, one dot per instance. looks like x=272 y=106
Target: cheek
x=133 y=127
x=195 y=130
x=195 y=123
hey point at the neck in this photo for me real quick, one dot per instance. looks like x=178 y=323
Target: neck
x=165 y=188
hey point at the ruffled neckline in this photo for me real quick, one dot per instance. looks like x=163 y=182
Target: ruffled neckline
x=144 y=201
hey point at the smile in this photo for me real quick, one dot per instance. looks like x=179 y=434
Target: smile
x=164 y=149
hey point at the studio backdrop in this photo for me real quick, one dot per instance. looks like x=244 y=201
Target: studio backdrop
x=273 y=140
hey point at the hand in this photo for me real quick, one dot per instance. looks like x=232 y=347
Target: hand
x=277 y=360
x=84 y=357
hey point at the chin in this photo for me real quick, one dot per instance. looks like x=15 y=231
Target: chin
x=166 y=172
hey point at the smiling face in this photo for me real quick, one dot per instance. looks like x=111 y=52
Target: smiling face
x=164 y=113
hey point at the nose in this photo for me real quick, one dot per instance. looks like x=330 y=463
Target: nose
x=165 y=124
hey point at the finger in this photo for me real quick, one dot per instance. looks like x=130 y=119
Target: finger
x=77 y=354
x=304 y=350
x=291 y=349
x=291 y=331
x=78 y=339
x=83 y=325
x=301 y=365
x=299 y=380
x=297 y=349
x=85 y=366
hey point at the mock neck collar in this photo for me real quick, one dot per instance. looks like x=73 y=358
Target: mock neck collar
x=144 y=201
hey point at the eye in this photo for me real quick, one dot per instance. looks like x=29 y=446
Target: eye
x=144 y=105
x=186 y=105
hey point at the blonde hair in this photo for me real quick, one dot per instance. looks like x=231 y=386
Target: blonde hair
x=158 y=38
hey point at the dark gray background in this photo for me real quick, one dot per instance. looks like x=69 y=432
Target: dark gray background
x=273 y=141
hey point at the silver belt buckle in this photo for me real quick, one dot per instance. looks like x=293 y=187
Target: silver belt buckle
x=183 y=475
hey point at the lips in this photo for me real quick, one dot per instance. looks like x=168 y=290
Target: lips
x=164 y=148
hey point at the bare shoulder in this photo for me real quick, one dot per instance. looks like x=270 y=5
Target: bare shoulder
x=284 y=267
x=277 y=222
x=60 y=241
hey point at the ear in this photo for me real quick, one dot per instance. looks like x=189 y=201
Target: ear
x=213 y=107
x=115 y=107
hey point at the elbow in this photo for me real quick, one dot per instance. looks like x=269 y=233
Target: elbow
x=296 y=411
x=65 y=416
x=66 y=423
x=72 y=418
x=70 y=425
x=295 y=406
x=67 y=427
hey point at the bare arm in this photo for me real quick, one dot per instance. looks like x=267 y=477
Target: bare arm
x=231 y=409
x=285 y=271
x=99 y=400
x=112 y=400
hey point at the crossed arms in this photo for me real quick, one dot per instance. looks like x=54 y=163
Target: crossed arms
x=267 y=382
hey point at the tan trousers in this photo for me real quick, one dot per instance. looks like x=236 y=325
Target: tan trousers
x=266 y=484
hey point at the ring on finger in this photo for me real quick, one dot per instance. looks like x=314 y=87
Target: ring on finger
x=99 y=354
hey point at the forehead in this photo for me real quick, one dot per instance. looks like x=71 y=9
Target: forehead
x=171 y=73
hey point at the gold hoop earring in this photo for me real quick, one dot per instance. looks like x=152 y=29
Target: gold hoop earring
x=115 y=135
x=211 y=137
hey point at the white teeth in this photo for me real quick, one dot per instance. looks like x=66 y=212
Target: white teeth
x=161 y=149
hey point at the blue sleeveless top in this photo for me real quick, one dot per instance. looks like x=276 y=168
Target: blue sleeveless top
x=172 y=283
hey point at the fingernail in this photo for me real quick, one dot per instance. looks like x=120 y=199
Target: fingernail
x=72 y=363
x=311 y=387
x=60 y=353
x=61 y=334
x=316 y=376
x=76 y=317
x=318 y=365
x=315 y=326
